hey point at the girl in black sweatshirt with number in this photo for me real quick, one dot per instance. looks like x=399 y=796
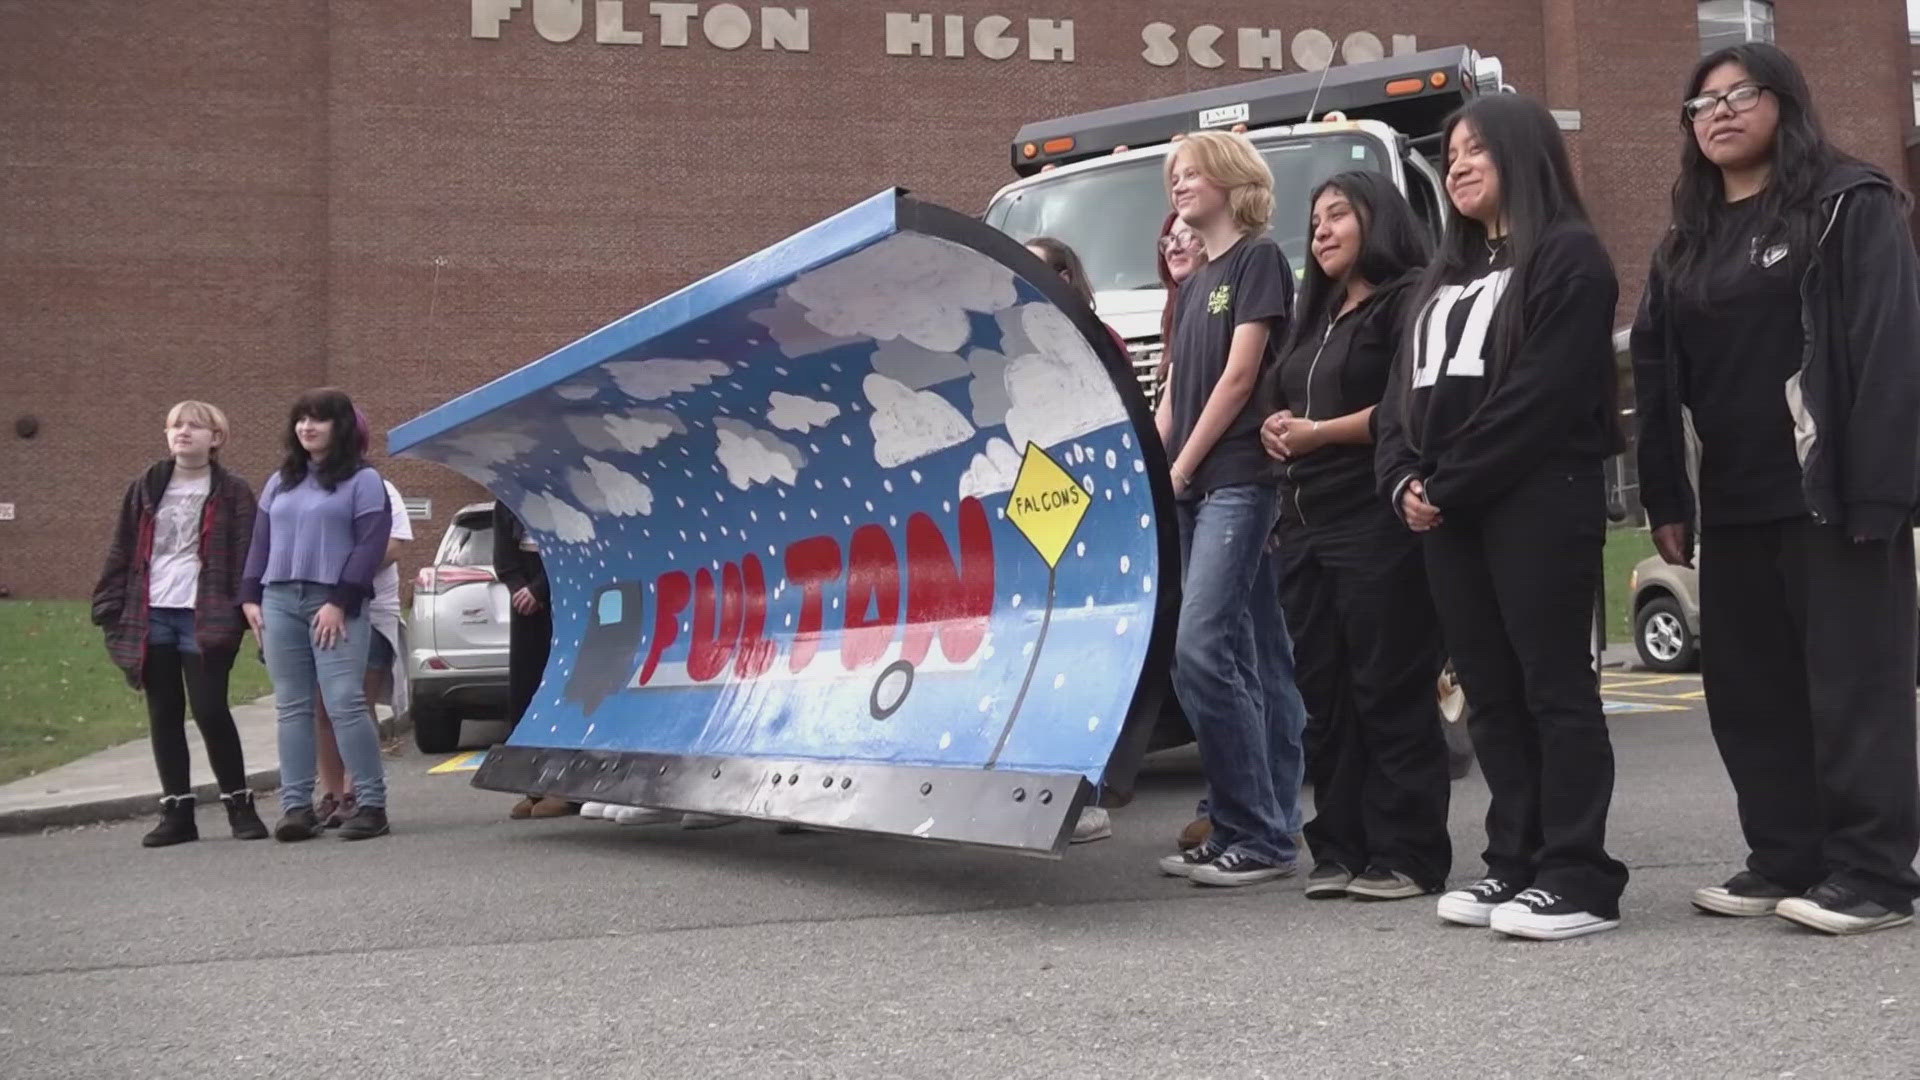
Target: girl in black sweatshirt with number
x=1783 y=313
x=1491 y=446
x=1366 y=644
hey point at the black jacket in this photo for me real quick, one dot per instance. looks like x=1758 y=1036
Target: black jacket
x=1856 y=399
x=1335 y=371
x=516 y=569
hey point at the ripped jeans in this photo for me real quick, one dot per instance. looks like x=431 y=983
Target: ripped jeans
x=1218 y=668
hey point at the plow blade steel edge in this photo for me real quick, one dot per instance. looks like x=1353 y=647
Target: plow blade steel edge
x=867 y=531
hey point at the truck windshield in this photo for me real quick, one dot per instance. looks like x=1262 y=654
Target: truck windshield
x=1111 y=216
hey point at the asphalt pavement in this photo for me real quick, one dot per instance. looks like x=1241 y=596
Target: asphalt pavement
x=467 y=945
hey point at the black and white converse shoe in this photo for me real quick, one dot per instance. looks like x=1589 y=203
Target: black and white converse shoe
x=1539 y=915
x=1239 y=868
x=1834 y=908
x=1473 y=905
x=1185 y=863
x=1746 y=895
x=1328 y=881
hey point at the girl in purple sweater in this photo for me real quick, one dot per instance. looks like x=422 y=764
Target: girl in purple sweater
x=318 y=540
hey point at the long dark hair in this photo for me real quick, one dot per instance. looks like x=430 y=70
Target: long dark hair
x=1537 y=192
x=1065 y=262
x=1391 y=243
x=343 y=454
x=1786 y=207
x=1173 y=299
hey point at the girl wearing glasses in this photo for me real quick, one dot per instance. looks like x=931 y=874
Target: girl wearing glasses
x=1782 y=315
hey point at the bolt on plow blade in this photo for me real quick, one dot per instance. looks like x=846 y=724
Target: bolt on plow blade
x=867 y=531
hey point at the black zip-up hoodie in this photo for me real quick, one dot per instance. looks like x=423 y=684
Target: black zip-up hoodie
x=1333 y=371
x=1856 y=398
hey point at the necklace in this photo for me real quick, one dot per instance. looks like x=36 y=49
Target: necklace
x=1494 y=246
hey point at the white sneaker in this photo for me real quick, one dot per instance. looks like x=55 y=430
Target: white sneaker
x=642 y=815
x=1539 y=915
x=594 y=810
x=1094 y=824
x=1237 y=868
x=705 y=821
x=1474 y=905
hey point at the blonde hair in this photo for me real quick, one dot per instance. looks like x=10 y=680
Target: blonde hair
x=1229 y=160
x=207 y=416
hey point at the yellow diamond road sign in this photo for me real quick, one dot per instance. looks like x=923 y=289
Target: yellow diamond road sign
x=1047 y=504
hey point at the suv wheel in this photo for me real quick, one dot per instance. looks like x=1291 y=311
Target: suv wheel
x=436 y=729
x=1661 y=636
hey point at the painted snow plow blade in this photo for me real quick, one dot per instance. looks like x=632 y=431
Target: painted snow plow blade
x=864 y=532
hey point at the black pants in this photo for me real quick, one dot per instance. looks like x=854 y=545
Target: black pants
x=1366 y=650
x=1515 y=584
x=529 y=640
x=174 y=680
x=1807 y=654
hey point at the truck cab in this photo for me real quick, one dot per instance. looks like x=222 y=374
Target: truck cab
x=1096 y=181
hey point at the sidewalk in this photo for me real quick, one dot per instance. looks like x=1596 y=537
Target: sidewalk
x=120 y=782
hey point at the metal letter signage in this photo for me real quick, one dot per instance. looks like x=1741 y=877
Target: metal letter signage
x=865 y=532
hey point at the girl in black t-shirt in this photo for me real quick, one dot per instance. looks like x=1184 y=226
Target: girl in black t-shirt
x=1782 y=314
x=1366 y=644
x=1492 y=438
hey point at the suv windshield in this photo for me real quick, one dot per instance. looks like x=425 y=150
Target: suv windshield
x=1111 y=217
x=470 y=543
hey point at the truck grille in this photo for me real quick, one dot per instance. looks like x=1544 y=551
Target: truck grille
x=1145 y=355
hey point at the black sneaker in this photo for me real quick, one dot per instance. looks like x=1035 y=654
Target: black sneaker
x=365 y=824
x=1239 y=868
x=299 y=823
x=1185 y=863
x=1835 y=908
x=1539 y=915
x=1746 y=895
x=1473 y=905
x=1328 y=881
x=1382 y=884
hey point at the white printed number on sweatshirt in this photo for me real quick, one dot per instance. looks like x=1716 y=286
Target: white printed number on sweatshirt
x=1468 y=356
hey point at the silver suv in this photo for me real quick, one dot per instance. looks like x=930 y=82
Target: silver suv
x=458 y=634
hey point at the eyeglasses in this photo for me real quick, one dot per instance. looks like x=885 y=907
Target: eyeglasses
x=1176 y=242
x=1739 y=99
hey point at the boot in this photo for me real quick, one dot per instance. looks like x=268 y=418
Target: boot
x=176 y=823
x=242 y=817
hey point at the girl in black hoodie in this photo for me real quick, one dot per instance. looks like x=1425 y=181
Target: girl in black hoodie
x=1783 y=314
x=1366 y=643
x=1492 y=442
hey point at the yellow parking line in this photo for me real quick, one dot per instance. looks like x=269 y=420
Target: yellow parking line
x=460 y=763
x=1634 y=681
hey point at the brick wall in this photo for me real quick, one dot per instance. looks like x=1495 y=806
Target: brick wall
x=241 y=202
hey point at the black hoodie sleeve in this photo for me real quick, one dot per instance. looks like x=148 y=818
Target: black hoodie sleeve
x=1555 y=383
x=110 y=591
x=1394 y=460
x=1665 y=489
x=1879 y=302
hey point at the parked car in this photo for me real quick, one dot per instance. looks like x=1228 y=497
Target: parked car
x=458 y=634
x=1666 y=613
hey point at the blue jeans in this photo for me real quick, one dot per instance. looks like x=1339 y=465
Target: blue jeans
x=296 y=664
x=173 y=628
x=1286 y=710
x=1219 y=670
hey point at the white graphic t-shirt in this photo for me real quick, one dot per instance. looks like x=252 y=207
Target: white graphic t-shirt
x=386 y=583
x=173 y=579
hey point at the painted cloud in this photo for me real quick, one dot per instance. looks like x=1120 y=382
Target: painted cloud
x=909 y=424
x=634 y=432
x=607 y=489
x=915 y=367
x=991 y=472
x=791 y=412
x=907 y=286
x=1060 y=391
x=752 y=456
x=786 y=321
x=547 y=512
x=653 y=380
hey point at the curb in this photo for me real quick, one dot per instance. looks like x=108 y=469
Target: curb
x=124 y=807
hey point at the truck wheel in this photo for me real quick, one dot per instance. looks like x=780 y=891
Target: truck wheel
x=1455 y=711
x=436 y=729
x=1661 y=637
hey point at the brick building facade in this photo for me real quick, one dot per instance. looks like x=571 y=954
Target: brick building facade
x=239 y=201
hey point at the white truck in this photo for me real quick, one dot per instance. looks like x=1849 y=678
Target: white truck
x=1094 y=180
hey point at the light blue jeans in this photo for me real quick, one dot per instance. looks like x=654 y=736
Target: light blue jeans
x=296 y=664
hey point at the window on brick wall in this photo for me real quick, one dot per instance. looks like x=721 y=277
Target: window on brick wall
x=1730 y=22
